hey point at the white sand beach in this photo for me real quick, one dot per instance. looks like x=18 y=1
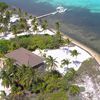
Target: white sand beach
x=62 y=53
x=93 y=53
x=49 y=32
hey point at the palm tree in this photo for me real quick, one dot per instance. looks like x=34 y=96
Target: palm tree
x=23 y=24
x=51 y=62
x=25 y=14
x=34 y=21
x=8 y=13
x=57 y=26
x=44 y=25
x=65 y=62
x=68 y=41
x=5 y=21
x=30 y=16
x=3 y=95
x=6 y=82
x=14 y=10
x=35 y=24
x=2 y=29
x=19 y=12
x=35 y=28
x=14 y=29
x=1 y=18
x=58 y=34
x=74 y=53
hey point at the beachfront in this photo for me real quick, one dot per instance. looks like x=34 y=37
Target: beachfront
x=65 y=53
x=68 y=59
x=59 y=54
x=40 y=31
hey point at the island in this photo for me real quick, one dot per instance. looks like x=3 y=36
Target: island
x=40 y=63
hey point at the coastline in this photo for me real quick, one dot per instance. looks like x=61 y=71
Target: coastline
x=93 y=53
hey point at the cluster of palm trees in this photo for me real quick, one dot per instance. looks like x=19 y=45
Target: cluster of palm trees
x=4 y=20
x=24 y=79
x=52 y=62
x=20 y=26
x=6 y=26
x=16 y=27
x=35 y=23
x=18 y=78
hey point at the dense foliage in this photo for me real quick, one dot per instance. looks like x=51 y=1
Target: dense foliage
x=48 y=84
x=3 y=6
x=30 y=43
x=25 y=82
x=20 y=26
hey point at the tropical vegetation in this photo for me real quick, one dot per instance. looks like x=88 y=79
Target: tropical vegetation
x=30 y=42
x=25 y=82
x=24 y=79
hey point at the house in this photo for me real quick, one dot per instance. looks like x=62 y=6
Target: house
x=22 y=56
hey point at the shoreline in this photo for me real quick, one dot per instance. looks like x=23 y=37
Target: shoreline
x=93 y=53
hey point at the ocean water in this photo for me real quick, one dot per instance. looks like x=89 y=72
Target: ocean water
x=92 y=5
x=82 y=22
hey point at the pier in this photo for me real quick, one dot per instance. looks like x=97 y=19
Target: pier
x=59 y=9
x=45 y=15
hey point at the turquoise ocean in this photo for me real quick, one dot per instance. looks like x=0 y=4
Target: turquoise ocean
x=81 y=22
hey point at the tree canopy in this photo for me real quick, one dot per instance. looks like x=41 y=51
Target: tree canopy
x=24 y=79
x=3 y=6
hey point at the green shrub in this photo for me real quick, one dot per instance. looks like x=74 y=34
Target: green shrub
x=70 y=74
x=74 y=90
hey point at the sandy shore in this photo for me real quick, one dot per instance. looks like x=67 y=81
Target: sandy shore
x=65 y=53
x=93 y=53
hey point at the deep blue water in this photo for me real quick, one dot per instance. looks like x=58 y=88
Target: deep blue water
x=82 y=22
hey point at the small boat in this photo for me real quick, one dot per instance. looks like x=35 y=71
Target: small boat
x=60 y=9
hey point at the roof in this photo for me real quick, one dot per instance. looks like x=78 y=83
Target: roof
x=24 y=57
